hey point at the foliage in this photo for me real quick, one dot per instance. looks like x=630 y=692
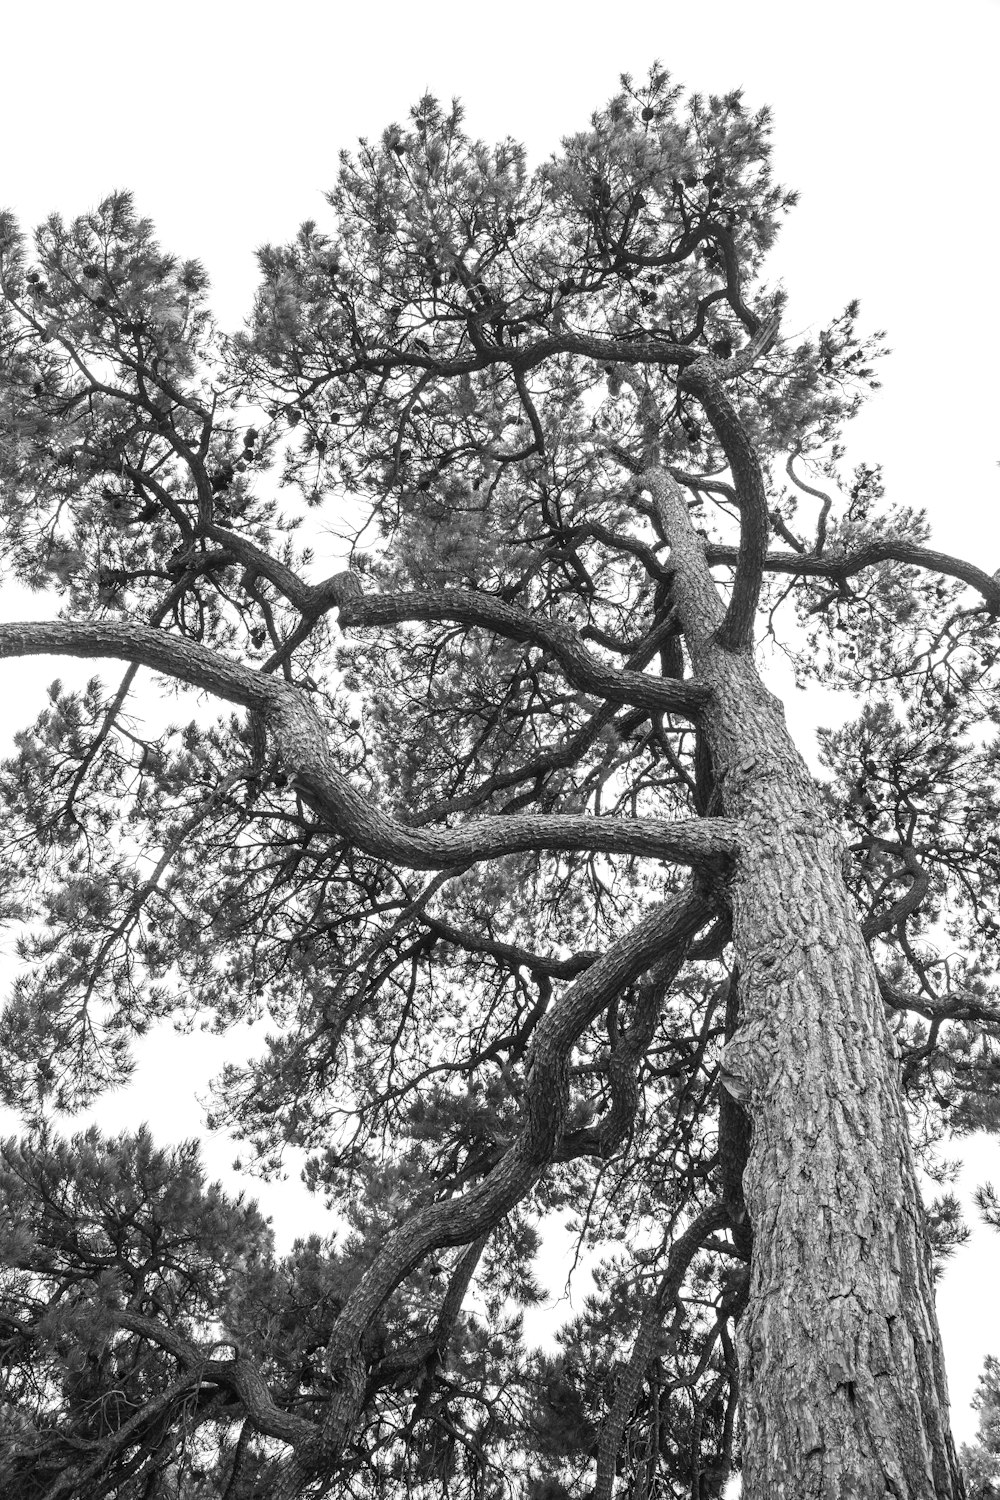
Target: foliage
x=981 y=1459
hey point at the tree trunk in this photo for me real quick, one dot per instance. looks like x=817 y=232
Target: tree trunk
x=843 y=1392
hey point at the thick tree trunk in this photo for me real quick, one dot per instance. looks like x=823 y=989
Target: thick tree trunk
x=843 y=1392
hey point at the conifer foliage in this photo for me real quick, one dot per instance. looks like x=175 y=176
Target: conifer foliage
x=981 y=1459
x=500 y=830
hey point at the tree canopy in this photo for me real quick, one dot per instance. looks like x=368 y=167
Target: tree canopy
x=498 y=826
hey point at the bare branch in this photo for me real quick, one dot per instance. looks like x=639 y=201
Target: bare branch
x=821 y=495
x=920 y=884
x=186 y=661
x=241 y=1375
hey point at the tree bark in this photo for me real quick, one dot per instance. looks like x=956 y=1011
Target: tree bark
x=843 y=1392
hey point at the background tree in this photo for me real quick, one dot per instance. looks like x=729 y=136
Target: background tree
x=980 y=1459
x=548 y=911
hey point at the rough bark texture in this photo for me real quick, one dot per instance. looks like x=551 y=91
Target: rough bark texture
x=843 y=1390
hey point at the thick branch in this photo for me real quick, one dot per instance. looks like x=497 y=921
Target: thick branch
x=461 y=1220
x=310 y=599
x=239 y=1375
x=301 y=739
x=425 y=1354
x=187 y=661
x=920 y=884
x=704 y=382
x=523 y=357
x=957 y=1005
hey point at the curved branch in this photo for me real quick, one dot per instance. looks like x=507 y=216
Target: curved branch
x=458 y=1221
x=187 y=661
x=703 y=380
x=301 y=739
x=836 y=566
x=650 y=351
x=310 y=599
x=821 y=495
x=920 y=884
x=582 y=669
x=240 y=1375
x=343 y=591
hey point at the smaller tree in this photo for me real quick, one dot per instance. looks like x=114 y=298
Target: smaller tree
x=981 y=1459
x=108 y=1241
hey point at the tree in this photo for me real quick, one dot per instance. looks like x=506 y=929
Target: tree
x=506 y=834
x=980 y=1459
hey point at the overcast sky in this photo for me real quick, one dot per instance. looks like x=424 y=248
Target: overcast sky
x=226 y=121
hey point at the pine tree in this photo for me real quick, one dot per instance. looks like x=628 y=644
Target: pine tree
x=981 y=1459
x=502 y=828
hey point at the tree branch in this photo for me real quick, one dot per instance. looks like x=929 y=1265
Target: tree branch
x=920 y=884
x=702 y=379
x=836 y=566
x=186 y=661
x=301 y=739
x=76 y=1480
x=310 y=599
x=521 y=358
x=682 y=1252
x=582 y=669
x=458 y=1221
x=511 y=954
x=239 y=1375
x=604 y=1138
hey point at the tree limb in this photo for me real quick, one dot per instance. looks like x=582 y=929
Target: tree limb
x=458 y=1221
x=702 y=379
x=836 y=566
x=301 y=739
x=682 y=1252
x=240 y=1375
x=583 y=670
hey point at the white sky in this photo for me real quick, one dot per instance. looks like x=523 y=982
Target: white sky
x=226 y=121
